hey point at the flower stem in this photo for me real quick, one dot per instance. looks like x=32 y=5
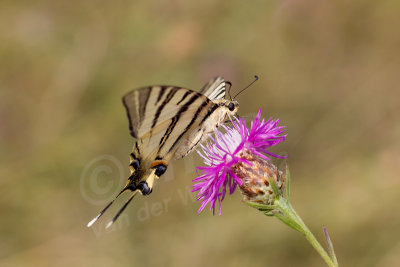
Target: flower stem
x=288 y=215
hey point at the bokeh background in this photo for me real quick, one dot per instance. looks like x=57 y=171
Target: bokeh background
x=330 y=70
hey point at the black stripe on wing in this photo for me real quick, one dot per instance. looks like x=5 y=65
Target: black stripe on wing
x=214 y=89
x=176 y=118
x=209 y=113
x=144 y=96
x=184 y=96
x=198 y=111
x=162 y=91
x=135 y=102
x=167 y=99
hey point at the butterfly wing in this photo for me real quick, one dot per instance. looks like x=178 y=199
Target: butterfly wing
x=162 y=116
x=142 y=105
x=215 y=89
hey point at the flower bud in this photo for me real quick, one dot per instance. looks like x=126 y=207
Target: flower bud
x=256 y=186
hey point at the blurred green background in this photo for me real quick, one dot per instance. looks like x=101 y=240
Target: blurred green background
x=330 y=70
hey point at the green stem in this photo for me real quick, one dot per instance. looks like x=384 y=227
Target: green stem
x=289 y=216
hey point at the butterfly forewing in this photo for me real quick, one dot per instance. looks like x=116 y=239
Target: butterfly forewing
x=214 y=89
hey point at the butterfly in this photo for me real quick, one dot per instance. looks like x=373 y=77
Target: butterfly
x=168 y=122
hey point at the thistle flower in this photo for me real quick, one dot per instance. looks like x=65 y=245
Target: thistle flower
x=239 y=157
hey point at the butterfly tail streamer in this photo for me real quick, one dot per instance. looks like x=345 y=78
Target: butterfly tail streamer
x=123 y=208
x=106 y=208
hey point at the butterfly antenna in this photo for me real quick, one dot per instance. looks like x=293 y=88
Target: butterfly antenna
x=229 y=90
x=122 y=209
x=255 y=79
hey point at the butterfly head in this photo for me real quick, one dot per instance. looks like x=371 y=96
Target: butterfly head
x=232 y=107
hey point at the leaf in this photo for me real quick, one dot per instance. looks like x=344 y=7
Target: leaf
x=329 y=243
x=274 y=187
x=289 y=222
x=261 y=207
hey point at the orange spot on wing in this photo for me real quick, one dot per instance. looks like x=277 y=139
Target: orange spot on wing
x=158 y=162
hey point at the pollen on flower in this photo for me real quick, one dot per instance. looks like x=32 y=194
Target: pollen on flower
x=239 y=158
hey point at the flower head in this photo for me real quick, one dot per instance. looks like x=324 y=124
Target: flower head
x=230 y=154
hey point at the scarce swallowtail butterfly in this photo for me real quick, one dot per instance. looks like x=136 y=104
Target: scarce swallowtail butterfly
x=168 y=121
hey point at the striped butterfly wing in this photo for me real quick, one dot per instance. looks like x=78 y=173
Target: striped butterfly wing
x=161 y=117
x=214 y=89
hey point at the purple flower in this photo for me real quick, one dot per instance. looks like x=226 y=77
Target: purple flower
x=238 y=146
